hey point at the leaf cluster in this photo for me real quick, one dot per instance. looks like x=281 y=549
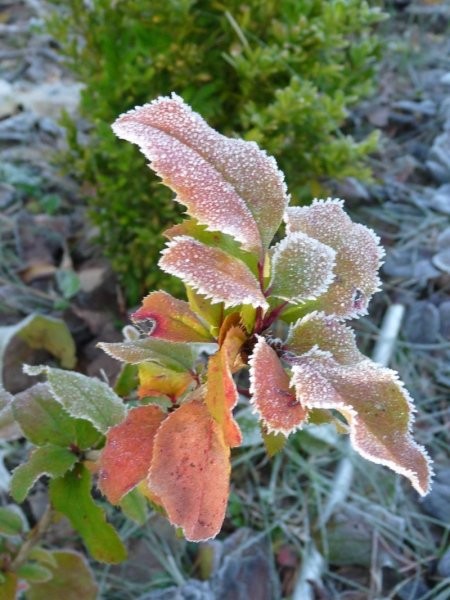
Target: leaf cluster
x=281 y=73
x=240 y=284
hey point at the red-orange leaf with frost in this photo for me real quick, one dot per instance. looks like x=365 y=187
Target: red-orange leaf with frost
x=212 y=272
x=227 y=184
x=271 y=393
x=168 y=318
x=190 y=471
x=221 y=393
x=126 y=457
x=358 y=255
x=376 y=406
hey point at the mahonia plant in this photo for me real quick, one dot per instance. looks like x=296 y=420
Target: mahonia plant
x=239 y=283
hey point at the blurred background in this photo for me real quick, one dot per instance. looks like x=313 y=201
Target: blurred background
x=352 y=99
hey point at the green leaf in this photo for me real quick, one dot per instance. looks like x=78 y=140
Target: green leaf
x=41 y=332
x=8 y=587
x=84 y=397
x=127 y=380
x=10 y=522
x=173 y=355
x=34 y=572
x=44 y=420
x=71 y=579
x=68 y=283
x=274 y=442
x=43 y=556
x=134 y=506
x=9 y=428
x=47 y=460
x=71 y=495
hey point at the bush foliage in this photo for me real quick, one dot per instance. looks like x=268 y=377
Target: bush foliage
x=282 y=73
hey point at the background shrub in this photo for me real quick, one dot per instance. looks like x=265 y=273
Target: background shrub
x=281 y=72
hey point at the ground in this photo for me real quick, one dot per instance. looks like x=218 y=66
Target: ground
x=382 y=541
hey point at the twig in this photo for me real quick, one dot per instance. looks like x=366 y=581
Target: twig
x=33 y=538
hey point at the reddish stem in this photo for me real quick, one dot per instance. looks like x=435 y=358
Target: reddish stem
x=273 y=316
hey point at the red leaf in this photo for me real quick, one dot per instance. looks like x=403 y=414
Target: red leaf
x=227 y=184
x=221 y=392
x=190 y=471
x=272 y=395
x=170 y=319
x=126 y=457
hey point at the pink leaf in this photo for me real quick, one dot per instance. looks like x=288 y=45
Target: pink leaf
x=227 y=184
x=271 y=392
x=326 y=333
x=376 y=406
x=170 y=319
x=302 y=268
x=212 y=272
x=358 y=255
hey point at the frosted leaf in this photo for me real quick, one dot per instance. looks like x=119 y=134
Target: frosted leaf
x=378 y=409
x=170 y=319
x=190 y=471
x=175 y=356
x=271 y=393
x=156 y=380
x=84 y=397
x=221 y=393
x=302 y=268
x=328 y=334
x=358 y=255
x=212 y=272
x=229 y=185
x=126 y=457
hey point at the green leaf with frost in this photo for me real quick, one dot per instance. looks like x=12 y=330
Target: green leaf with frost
x=83 y=397
x=173 y=355
x=44 y=420
x=49 y=460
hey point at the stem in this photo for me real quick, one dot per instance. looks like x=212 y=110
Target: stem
x=33 y=538
x=273 y=316
x=243 y=392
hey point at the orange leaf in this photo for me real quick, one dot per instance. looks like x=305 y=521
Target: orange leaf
x=272 y=396
x=376 y=406
x=156 y=380
x=212 y=272
x=170 y=319
x=190 y=471
x=221 y=393
x=227 y=184
x=358 y=255
x=126 y=457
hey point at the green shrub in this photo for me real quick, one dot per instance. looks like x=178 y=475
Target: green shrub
x=280 y=72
